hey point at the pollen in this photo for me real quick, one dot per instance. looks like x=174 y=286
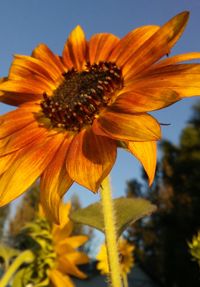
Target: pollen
x=80 y=97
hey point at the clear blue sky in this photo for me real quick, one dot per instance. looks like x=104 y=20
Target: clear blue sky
x=25 y=23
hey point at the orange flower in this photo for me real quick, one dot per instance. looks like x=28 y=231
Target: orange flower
x=75 y=110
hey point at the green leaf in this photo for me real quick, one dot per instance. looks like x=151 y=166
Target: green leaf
x=127 y=211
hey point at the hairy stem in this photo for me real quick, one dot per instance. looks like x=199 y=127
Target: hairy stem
x=110 y=233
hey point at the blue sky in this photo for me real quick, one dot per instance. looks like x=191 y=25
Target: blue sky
x=24 y=24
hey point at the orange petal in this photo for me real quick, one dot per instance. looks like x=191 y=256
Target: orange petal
x=95 y=156
x=134 y=127
x=75 y=49
x=100 y=47
x=184 y=79
x=7 y=161
x=55 y=181
x=26 y=86
x=145 y=152
x=37 y=66
x=144 y=100
x=59 y=280
x=17 y=119
x=156 y=46
x=16 y=99
x=130 y=43
x=27 y=135
x=43 y=53
x=18 y=72
x=177 y=59
x=27 y=168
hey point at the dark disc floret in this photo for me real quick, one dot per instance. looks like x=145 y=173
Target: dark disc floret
x=78 y=99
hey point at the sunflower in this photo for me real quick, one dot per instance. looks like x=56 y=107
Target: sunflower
x=57 y=258
x=126 y=257
x=194 y=247
x=74 y=110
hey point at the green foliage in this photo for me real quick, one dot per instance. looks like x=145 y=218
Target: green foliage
x=126 y=212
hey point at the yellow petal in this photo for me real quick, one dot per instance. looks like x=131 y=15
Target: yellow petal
x=76 y=241
x=74 y=53
x=145 y=152
x=101 y=46
x=67 y=266
x=59 y=280
x=95 y=156
x=55 y=181
x=134 y=127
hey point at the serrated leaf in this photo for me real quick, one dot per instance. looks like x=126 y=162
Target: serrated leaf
x=127 y=211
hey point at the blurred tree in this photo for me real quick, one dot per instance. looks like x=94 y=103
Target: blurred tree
x=162 y=238
x=4 y=212
x=25 y=212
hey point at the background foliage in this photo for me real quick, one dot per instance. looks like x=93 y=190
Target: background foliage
x=162 y=239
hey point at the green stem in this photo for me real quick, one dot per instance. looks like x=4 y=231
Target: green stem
x=25 y=257
x=110 y=233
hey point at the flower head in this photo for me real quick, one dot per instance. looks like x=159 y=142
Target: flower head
x=194 y=247
x=126 y=258
x=74 y=110
x=57 y=256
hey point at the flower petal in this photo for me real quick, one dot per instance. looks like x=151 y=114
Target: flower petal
x=75 y=241
x=18 y=73
x=184 y=79
x=27 y=168
x=95 y=156
x=144 y=100
x=37 y=66
x=67 y=266
x=55 y=181
x=177 y=59
x=75 y=49
x=145 y=152
x=100 y=47
x=134 y=127
x=17 y=119
x=156 y=46
x=26 y=86
x=59 y=280
x=7 y=161
x=130 y=43
x=27 y=135
x=43 y=53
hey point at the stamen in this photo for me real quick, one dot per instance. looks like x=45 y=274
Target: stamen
x=80 y=97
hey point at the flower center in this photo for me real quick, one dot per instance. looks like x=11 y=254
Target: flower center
x=79 y=98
